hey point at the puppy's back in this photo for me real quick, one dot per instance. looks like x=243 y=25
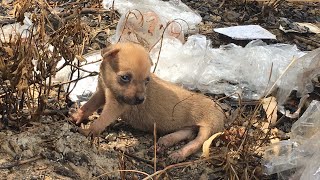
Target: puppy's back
x=172 y=108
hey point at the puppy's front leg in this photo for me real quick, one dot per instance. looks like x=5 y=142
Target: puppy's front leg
x=111 y=111
x=96 y=101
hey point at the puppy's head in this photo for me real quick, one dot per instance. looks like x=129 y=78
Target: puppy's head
x=125 y=70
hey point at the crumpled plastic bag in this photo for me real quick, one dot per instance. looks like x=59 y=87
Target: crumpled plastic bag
x=170 y=10
x=145 y=27
x=11 y=30
x=83 y=88
x=250 y=71
x=301 y=153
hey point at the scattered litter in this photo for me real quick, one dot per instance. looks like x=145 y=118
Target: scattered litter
x=169 y=10
x=246 y=32
x=85 y=87
x=145 y=27
x=11 y=30
x=252 y=71
x=288 y=26
x=301 y=151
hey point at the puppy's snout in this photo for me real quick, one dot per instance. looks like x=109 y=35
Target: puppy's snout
x=139 y=100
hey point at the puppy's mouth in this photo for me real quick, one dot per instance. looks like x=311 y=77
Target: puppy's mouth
x=130 y=101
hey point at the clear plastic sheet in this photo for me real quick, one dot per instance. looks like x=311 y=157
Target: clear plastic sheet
x=250 y=71
x=10 y=30
x=145 y=27
x=300 y=153
x=169 y=10
x=84 y=88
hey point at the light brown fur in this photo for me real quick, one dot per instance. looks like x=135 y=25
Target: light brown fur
x=178 y=113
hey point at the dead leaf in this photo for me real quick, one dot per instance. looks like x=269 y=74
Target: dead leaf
x=270 y=107
x=265 y=127
x=9 y=51
x=207 y=144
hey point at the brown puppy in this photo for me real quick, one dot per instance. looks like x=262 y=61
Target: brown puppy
x=128 y=90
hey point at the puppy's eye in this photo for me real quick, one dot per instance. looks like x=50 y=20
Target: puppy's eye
x=125 y=78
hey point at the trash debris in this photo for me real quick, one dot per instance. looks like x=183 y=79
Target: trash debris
x=11 y=30
x=288 y=26
x=301 y=151
x=169 y=10
x=228 y=70
x=83 y=88
x=307 y=125
x=278 y=157
x=300 y=76
x=246 y=32
x=145 y=27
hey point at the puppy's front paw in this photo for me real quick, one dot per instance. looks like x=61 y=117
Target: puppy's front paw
x=94 y=130
x=76 y=115
x=176 y=157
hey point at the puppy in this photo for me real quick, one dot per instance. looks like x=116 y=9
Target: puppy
x=128 y=90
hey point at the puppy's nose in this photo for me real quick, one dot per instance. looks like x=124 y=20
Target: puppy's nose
x=139 y=100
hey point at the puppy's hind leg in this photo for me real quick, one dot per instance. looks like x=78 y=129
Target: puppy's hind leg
x=175 y=137
x=96 y=101
x=193 y=146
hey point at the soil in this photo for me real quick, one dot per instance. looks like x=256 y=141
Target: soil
x=51 y=148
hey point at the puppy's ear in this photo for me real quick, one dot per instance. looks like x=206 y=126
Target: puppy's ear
x=110 y=55
x=110 y=52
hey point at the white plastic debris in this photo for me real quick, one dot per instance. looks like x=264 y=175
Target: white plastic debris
x=145 y=27
x=301 y=153
x=299 y=76
x=307 y=125
x=246 y=32
x=170 y=10
x=279 y=157
x=250 y=71
x=16 y=28
x=85 y=87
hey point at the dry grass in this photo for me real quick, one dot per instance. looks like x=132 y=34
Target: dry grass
x=28 y=64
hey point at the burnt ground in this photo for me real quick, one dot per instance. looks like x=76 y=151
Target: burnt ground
x=51 y=148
